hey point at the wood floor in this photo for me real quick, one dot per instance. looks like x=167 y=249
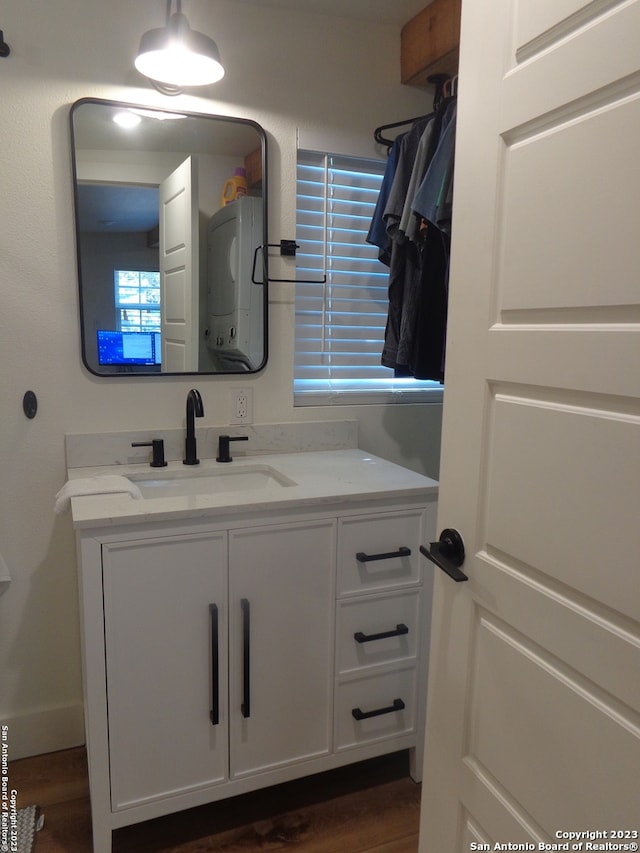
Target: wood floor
x=372 y=807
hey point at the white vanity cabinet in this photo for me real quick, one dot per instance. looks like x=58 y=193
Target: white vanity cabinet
x=231 y=651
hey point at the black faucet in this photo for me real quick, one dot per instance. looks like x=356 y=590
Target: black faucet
x=194 y=410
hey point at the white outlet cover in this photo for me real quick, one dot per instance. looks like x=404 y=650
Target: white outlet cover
x=241 y=406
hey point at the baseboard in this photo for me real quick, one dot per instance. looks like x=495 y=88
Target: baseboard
x=45 y=731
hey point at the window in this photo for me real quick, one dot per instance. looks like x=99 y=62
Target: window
x=340 y=324
x=137 y=299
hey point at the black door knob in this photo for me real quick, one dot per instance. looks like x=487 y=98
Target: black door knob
x=447 y=553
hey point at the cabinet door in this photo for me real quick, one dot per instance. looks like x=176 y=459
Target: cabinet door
x=281 y=589
x=165 y=666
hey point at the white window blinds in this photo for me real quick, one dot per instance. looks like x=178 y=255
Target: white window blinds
x=340 y=324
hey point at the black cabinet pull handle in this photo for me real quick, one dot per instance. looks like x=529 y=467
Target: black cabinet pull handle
x=357 y=714
x=399 y=630
x=448 y=554
x=215 y=666
x=246 y=657
x=402 y=551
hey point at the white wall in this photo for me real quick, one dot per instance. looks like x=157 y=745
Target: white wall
x=278 y=73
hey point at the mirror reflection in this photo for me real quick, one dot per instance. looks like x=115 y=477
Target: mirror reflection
x=170 y=213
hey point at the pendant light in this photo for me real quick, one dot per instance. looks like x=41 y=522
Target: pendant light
x=175 y=56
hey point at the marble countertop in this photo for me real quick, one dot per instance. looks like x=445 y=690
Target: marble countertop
x=337 y=477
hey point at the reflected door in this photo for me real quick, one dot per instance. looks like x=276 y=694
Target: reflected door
x=179 y=268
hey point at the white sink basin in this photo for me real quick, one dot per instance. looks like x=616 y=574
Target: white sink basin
x=207 y=481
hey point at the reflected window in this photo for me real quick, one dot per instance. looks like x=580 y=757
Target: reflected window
x=137 y=299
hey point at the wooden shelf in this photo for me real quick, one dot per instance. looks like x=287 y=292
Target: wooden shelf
x=253 y=165
x=429 y=43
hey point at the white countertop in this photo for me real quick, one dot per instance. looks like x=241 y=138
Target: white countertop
x=337 y=477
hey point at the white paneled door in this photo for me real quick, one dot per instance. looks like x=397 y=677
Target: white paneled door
x=533 y=728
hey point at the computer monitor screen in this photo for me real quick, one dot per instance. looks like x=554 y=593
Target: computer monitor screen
x=129 y=347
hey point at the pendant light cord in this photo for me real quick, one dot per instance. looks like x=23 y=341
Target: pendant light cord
x=178 y=8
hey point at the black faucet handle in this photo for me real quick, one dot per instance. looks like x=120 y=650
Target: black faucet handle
x=223 y=446
x=157 y=451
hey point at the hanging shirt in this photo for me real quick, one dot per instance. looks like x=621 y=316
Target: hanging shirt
x=432 y=200
x=432 y=203
x=408 y=221
x=427 y=356
x=404 y=267
x=377 y=235
x=406 y=159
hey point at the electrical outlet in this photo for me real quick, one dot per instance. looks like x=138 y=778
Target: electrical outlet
x=241 y=406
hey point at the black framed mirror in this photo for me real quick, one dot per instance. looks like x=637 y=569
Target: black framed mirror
x=170 y=210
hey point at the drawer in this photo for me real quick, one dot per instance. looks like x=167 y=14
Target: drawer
x=379 y=552
x=385 y=705
x=377 y=630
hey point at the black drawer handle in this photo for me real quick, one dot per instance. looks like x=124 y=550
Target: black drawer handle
x=357 y=714
x=399 y=631
x=246 y=658
x=215 y=666
x=402 y=551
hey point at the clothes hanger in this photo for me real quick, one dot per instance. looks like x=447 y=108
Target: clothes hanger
x=439 y=81
x=450 y=87
x=377 y=133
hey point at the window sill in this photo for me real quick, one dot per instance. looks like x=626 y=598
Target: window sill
x=431 y=396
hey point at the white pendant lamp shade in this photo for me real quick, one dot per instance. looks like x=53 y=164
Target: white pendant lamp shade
x=178 y=56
